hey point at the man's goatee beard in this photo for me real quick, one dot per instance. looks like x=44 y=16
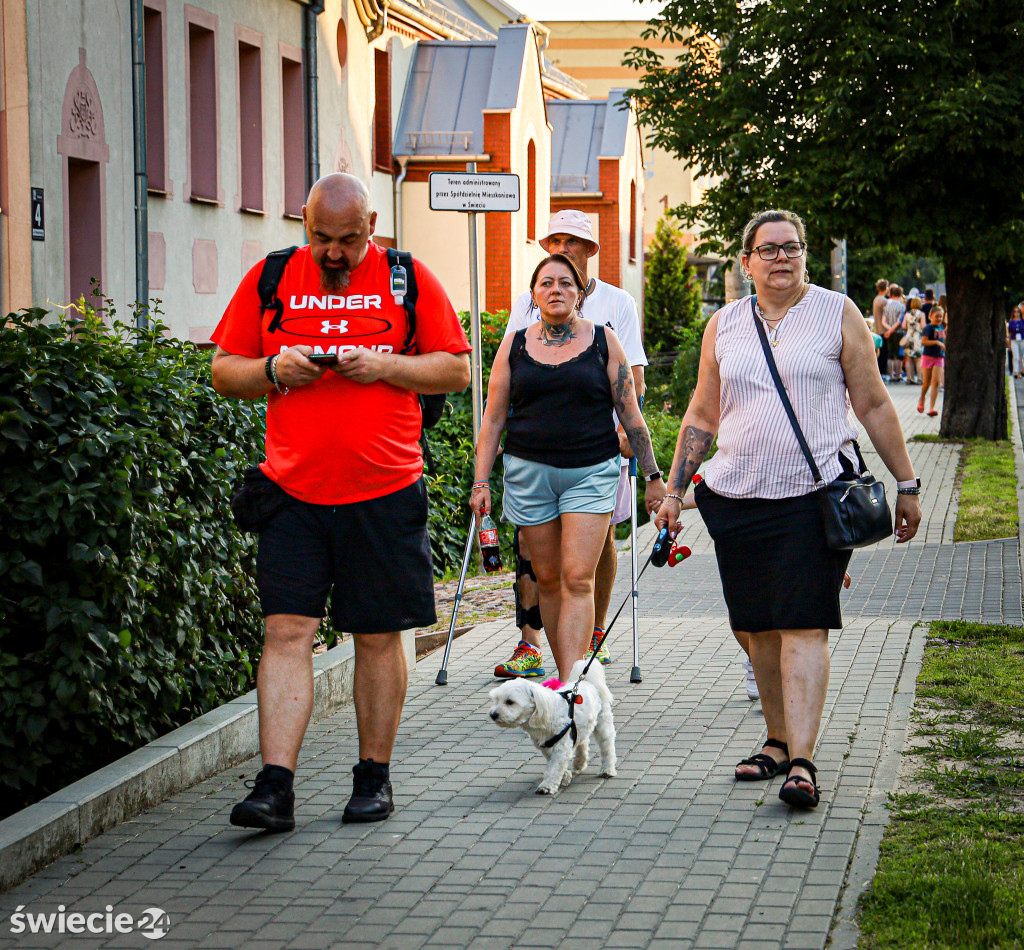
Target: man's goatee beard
x=333 y=278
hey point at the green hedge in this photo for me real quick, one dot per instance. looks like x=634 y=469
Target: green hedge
x=128 y=606
x=451 y=444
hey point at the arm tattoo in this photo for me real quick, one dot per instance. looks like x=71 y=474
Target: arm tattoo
x=623 y=388
x=693 y=448
x=643 y=450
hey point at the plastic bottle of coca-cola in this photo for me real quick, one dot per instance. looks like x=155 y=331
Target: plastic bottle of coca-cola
x=488 y=538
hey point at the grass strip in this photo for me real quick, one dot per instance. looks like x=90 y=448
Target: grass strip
x=951 y=864
x=988 y=492
x=987 y=478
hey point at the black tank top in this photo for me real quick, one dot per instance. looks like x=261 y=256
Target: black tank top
x=561 y=415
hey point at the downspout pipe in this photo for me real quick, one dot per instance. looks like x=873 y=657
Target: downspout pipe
x=138 y=22
x=311 y=10
x=404 y=165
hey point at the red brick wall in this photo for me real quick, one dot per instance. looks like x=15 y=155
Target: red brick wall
x=382 y=111
x=498 y=226
x=611 y=250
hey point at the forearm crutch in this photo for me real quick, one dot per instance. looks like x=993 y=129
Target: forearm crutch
x=442 y=674
x=635 y=675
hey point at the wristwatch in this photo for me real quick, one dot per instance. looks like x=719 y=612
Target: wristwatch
x=912 y=486
x=653 y=477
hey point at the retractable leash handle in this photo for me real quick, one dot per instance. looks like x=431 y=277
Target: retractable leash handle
x=662 y=549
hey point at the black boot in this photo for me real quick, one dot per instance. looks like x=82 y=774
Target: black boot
x=271 y=804
x=371 y=793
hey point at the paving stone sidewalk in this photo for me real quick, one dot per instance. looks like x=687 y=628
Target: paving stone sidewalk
x=672 y=853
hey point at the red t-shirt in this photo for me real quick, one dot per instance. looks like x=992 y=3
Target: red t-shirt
x=336 y=441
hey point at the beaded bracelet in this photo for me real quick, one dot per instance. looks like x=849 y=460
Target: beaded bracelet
x=908 y=491
x=676 y=497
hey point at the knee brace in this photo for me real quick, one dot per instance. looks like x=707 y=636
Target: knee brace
x=524 y=568
x=525 y=616
x=528 y=617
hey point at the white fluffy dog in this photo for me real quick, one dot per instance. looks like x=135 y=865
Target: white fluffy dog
x=543 y=713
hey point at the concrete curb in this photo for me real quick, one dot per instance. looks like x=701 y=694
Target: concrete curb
x=1018 y=447
x=37 y=835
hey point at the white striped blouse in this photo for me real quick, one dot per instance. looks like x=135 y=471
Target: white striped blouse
x=758 y=455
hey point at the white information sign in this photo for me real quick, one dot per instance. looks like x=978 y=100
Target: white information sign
x=473 y=192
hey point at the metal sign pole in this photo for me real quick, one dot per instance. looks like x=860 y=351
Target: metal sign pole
x=450 y=192
x=474 y=322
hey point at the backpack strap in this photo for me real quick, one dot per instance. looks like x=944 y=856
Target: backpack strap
x=270 y=277
x=404 y=259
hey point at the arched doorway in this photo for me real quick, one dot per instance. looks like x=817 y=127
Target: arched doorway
x=82 y=143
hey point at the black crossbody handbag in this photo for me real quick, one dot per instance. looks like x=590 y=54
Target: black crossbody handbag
x=855 y=511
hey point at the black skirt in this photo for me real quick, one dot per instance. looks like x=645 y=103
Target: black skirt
x=778 y=572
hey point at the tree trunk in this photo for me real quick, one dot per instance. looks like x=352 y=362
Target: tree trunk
x=974 y=406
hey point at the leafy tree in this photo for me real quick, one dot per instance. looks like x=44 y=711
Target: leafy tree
x=874 y=121
x=672 y=299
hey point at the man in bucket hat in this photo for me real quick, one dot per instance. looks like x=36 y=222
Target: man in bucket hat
x=569 y=233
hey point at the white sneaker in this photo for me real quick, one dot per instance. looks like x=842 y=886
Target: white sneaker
x=752 y=692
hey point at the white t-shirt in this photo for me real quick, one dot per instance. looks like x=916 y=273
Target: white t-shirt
x=607 y=305
x=610 y=306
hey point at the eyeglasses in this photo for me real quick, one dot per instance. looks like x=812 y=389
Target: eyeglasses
x=769 y=252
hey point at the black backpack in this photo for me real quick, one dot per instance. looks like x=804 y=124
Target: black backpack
x=431 y=406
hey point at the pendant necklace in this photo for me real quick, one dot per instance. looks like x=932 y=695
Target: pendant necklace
x=773 y=330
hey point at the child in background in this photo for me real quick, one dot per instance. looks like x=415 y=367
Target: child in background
x=877 y=337
x=933 y=362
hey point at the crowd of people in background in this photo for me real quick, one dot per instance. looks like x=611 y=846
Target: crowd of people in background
x=910 y=339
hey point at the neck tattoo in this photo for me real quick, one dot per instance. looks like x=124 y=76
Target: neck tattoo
x=559 y=334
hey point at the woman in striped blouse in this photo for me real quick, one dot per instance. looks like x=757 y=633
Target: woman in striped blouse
x=780 y=579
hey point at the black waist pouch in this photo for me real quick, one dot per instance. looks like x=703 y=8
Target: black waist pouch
x=257 y=500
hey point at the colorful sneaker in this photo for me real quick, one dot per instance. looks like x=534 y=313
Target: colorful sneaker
x=752 y=692
x=603 y=656
x=526 y=661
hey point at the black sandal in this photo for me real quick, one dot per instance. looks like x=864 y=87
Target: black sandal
x=767 y=766
x=792 y=794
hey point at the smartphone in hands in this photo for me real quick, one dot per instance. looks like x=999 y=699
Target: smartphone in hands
x=323 y=359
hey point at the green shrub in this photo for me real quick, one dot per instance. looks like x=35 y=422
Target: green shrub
x=672 y=298
x=451 y=445
x=663 y=423
x=128 y=605
x=683 y=380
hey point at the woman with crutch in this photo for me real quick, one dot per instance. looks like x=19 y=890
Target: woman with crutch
x=561 y=377
x=780 y=578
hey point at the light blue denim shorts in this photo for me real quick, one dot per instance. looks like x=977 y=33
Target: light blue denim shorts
x=536 y=493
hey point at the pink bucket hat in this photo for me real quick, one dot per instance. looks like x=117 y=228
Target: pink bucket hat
x=575 y=223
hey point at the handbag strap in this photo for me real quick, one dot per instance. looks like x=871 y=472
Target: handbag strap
x=786 y=404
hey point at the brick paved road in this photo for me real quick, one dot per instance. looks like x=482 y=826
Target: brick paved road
x=670 y=854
